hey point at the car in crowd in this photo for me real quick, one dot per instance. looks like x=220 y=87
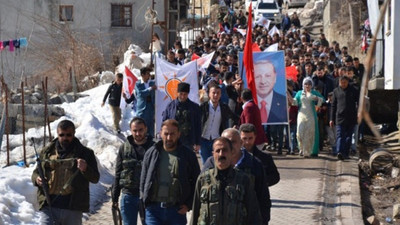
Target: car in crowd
x=268 y=9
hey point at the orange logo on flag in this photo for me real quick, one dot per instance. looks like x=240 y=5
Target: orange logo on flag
x=171 y=88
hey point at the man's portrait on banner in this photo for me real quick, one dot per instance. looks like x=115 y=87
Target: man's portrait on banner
x=271 y=93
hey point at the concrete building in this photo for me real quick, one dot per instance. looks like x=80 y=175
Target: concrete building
x=104 y=24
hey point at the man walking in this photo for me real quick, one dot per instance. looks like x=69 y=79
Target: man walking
x=168 y=178
x=187 y=113
x=144 y=91
x=113 y=94
x=214 y=119
x=224 y=195
x=248 y=136
x=128 y=170
x=68 y=167
x=244 y=161
x=344 y=115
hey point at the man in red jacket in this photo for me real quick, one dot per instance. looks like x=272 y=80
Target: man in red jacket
x=251 y=114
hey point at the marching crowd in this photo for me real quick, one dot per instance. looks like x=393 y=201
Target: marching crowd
x=161 y=180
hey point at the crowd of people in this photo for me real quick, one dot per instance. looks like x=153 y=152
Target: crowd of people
x=161 y=180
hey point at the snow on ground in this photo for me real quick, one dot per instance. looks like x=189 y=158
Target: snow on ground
x=18 y=204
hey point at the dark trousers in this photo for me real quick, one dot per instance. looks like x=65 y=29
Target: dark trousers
x=277 y=136
x=343 y=139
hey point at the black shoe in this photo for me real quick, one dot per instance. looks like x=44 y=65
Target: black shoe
x=279 y=153
x=340 y=156
x=118 y=131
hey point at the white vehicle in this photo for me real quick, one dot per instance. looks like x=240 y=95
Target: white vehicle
x=268 y=9
x=295 y=3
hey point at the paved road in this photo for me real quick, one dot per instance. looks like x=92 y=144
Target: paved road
x=311 y=191
x=316 y=191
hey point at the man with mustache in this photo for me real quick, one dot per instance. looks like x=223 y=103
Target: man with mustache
x=224 y=195
x=244 y=161
x=128 y=170
x=168 y=178
x=68 y=167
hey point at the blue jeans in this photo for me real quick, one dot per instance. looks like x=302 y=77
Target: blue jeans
x=62 y=216
x=343 y=139
x=155 y=215
x=129 y=208
x=205 y=149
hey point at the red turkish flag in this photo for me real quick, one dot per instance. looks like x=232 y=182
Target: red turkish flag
x=248 y=57
x=129 y=81
x=256 y=48
x=291 y=73
x=195 y=56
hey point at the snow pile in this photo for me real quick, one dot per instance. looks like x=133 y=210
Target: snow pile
x=18 y=204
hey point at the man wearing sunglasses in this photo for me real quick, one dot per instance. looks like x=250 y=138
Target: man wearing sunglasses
x=68 y=167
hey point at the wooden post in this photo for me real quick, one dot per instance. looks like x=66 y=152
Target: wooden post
x=23 y=123
x=7 y=125
x=45 y=115
x=47 y=111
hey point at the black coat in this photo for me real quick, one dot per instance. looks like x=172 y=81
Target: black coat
x=344 y=106
x=271 y=172
x=114 y=91
x=195 y=129
x=189 y=170
x=116 y=188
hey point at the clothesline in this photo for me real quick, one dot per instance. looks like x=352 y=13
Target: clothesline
x=13 y=44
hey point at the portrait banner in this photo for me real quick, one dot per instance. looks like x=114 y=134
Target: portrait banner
x=167 y=78
x=270 y=82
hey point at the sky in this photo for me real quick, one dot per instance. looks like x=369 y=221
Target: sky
x=18 y=203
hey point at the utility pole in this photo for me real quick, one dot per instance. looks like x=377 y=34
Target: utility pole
x=152 y=31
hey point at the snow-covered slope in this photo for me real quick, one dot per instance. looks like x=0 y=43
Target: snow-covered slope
x=93 y=123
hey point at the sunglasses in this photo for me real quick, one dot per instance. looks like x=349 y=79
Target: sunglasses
x=67 y=135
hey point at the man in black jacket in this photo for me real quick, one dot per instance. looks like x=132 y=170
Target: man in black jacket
x=248 y=137
x=214 y=119
x=187 y=113
x=68 y=167
x=113 y=94
x=168 y=178
x=128 y=170
x=344 y=115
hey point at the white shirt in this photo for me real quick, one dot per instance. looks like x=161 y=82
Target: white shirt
x=211 y=128
x=267 y=99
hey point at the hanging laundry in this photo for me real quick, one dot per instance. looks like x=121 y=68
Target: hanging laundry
x=11 y=48
x=16 y=43
x=23 y=42
x=5 y=43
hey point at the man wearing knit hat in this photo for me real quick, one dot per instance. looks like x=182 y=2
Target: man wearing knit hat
x=187 y=113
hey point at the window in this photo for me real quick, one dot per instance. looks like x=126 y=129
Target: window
x=121 y=15
x=66 y=13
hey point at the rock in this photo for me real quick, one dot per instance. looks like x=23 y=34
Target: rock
x=38 y=88
x=34 y=100
x=396 y=211
x=309 y=5
x=38 y=95
x=106 y=77
x=55 y=99
x=395 y=172
x=373 y=220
